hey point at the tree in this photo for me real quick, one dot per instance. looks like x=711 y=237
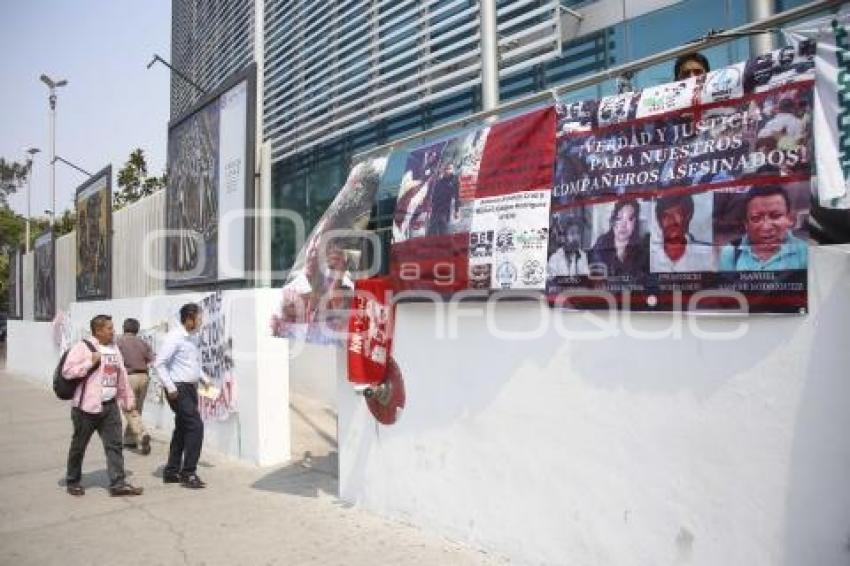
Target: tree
x=133 y=181
x=12 y=176
x=65 y=224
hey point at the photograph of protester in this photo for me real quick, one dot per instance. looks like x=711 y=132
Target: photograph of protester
x=567 y=250
x=438 y=187
x=765 y=240
x=622 y=250
x=681 y=238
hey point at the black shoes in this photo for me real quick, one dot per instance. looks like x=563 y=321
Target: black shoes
x=171 y=478
x=192 y=481
x=146 y=444
x=125 y=489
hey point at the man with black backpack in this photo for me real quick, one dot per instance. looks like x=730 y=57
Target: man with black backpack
x=100 y=385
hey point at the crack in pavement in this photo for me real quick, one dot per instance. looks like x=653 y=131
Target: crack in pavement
x=180 y=536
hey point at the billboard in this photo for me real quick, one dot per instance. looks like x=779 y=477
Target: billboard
x=44 y=277
x=16 y=260
x=93 y=204
x=210 y=187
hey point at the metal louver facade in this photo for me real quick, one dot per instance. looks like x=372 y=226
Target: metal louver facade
x=337 y=66
x=210 y=40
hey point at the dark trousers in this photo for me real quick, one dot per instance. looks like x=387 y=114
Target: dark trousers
x=108 y=426
x=188 y=436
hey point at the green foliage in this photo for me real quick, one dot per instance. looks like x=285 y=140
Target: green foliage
x=133 y=181
x=65 y=224
x=13 y=175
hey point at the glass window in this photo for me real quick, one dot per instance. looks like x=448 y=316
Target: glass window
x=289 y=193
x=323 y=183
x=678 y=24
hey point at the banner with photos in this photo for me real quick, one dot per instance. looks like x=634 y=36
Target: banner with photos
x=472 y=210
x=689 y=195
x=692 y=195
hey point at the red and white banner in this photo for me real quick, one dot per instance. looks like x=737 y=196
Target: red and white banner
x=370 y=331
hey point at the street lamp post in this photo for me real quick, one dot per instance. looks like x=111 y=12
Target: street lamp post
x=52 y=85
x=31 y=151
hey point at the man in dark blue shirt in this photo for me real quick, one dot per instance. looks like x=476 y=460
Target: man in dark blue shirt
x=445 y=194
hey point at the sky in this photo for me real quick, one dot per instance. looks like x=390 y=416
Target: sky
x=112 y=103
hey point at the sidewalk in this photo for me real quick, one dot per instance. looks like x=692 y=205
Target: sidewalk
x=286 y=515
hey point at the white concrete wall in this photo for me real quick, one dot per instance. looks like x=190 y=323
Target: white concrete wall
x=313 y=371
x=258 y=433
x=30 y=349
x=621 y=451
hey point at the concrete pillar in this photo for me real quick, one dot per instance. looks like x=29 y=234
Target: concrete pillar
x=761 y=42
x=489 y=55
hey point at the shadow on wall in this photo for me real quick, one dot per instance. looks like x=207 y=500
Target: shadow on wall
x=668 y=359
x=818 y=516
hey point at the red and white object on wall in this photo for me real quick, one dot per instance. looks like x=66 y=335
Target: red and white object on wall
x=371 y=368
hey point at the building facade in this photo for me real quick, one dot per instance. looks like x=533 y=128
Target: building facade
x=343 y=76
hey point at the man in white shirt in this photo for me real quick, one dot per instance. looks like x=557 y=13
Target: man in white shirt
x=178 y=366
x=569 y=259
x=677 y=251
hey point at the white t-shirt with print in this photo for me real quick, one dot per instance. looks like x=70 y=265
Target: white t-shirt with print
x=109 y=365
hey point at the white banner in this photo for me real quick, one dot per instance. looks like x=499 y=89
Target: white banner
x=830 y=37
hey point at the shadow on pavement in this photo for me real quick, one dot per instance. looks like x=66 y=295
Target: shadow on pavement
x=307 y=478
x=96 y=478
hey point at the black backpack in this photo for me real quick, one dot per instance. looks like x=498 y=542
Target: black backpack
x=65 y=388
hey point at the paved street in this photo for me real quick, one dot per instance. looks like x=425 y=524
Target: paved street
x=286 y=515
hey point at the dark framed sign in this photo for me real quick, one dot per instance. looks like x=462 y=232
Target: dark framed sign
x=210 y=192
x=44 y=277
x=16 y=308
x=93 y=204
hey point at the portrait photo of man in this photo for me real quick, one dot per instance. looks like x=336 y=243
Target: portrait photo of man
x=768 y=243
x=568 y=258
x=675 y=247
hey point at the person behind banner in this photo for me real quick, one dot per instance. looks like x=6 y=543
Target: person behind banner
x=678 y=251
x=621 y=250
x=768 y=244
x=689 y=65
x=444 y=199
x=568 y=259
